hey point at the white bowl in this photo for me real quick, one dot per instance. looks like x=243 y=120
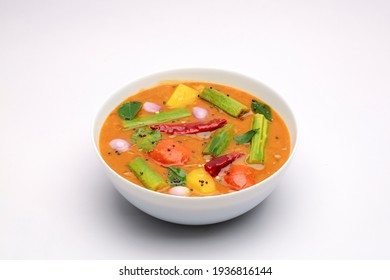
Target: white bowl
x=197 y=210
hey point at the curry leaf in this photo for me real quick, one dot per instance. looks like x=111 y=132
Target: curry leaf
x=128 y=110
x=146 y=138
x=246 y=137
x=176 y=176
x=261 y=108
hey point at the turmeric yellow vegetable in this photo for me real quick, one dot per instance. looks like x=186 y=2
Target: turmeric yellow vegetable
x=182 y=96
x=201 y=181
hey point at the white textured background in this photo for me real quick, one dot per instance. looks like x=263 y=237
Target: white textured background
x=60 y=60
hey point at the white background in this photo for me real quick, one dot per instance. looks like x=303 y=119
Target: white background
x=60 y=60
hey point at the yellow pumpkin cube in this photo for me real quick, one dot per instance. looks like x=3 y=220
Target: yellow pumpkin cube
x=182 y=96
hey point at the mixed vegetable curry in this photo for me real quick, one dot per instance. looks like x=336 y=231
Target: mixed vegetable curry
x=194 y=139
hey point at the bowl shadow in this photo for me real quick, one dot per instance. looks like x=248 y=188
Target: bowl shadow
x=157 y=228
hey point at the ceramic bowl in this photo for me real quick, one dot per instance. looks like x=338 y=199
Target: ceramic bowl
x=197 y=210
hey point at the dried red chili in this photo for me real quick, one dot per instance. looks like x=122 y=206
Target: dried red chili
x=190 y=128
x=214 y=166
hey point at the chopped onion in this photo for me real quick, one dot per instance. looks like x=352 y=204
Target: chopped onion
x=151 y=107
x=241 y=160
x=120 y=145
x=204 y=135
x=180 y=191
x=256 y=166
x=207 y=157
x=223 y=171
x=247 y=114
x=199 y=113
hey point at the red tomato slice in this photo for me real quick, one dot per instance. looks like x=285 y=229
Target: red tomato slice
x=169 y=152
x=240 y=177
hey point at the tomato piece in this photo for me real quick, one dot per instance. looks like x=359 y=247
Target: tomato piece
x=240 y=177
x=169 y=152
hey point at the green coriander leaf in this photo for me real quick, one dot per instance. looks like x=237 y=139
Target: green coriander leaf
x=146 y=138
x=128 y=110
x=176 y=176
x=261 y=108
x=246 y=137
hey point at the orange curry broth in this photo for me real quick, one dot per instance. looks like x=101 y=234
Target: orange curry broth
x=277 y=149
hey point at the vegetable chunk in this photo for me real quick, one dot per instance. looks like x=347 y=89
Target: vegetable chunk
x=224 y=102
x=146 y=138
x=201 y=181
x=182 y=96
x=220 y=141
x=240 y=177
x=156 y=118
x=169 y=152
x=146 y=175
x=259 y=140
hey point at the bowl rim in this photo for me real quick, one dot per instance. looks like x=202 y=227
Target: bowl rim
x=138 y=79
